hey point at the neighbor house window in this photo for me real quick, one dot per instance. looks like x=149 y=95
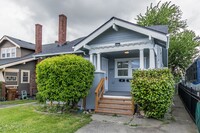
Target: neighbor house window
x=125 y=67
x=10 y=78
x=8 y=52
x=25 y=76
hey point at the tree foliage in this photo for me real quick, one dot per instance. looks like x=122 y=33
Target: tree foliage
x=182 y=50
x=66 y=78
x=164 y=14
x=153 y=90
x=182 y=43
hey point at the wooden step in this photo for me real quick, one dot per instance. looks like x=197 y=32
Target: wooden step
x=119 y=99
x=114 y=106
x=115 y=102
x=112 y=111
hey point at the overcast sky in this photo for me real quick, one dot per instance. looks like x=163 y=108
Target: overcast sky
x=18 y=17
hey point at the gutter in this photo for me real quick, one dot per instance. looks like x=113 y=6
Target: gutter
x=16 y=63
x=43 y=55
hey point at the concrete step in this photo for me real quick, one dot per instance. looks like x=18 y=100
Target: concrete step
x=114 y=111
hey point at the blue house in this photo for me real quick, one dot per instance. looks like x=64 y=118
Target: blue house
x=116 y=49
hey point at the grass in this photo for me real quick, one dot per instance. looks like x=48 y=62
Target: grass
x=16 y=102
x=25 y=119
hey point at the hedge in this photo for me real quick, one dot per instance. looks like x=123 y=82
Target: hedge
x=65 y=78
x=153 y=90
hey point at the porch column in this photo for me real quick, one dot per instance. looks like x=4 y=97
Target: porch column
x=95 y=61
x=91 y=58
x=141 y=59
x=151 y=58
x=98 y=61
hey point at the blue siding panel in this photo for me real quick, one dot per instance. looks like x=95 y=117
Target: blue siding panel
x=112 y=36
x=90 y=99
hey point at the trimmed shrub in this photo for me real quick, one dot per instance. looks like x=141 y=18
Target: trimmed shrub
x=66 y=78
x=153 y=90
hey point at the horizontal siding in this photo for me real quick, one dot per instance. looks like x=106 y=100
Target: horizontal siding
x=112 y=36
x=113 y=83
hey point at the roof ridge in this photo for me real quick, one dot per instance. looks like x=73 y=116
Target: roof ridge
x=19 y=39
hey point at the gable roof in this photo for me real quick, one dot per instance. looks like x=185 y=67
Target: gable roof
x=150 y=31
x=55 y=49
x=159 y=28
x=18 y=43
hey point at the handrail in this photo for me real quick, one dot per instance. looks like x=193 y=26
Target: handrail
x=99 y=92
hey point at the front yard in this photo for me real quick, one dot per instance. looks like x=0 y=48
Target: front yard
x=16 y=102
x=25 y=119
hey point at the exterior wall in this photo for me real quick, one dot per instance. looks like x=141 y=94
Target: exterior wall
x=112 y=36
x=28 y=66
x=7 y=44
x=165 y=57
x=90 y=99
x=114 y=84
x=25 y=52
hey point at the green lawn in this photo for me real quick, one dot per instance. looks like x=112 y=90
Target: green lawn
x=16 y=102
x=24 y=119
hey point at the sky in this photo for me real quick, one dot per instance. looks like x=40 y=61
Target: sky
x=18 y=17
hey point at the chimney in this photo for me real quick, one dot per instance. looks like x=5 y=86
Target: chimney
x=38 y=38
x=62 y=29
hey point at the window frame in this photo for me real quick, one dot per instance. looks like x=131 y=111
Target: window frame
x=129 y=66
x=5 y=51
x=22 y=71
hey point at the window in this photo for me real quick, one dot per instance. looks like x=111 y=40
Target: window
x=25 y=76
x=8 y=52
x=11 y=78
x=122 y=68
x=125 y=67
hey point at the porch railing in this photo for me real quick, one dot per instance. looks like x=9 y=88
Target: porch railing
x=99 y=92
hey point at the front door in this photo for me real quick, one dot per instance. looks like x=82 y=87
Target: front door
x=104 y=68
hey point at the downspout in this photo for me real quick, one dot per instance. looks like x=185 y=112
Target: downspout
x=167 y=47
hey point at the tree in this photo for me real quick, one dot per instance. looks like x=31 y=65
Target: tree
x=165 y=14
x=182 y=43
x=182 y=50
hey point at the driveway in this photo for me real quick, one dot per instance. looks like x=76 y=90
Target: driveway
x=179 y=123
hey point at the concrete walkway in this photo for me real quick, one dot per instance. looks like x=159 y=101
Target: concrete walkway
x=181 y=123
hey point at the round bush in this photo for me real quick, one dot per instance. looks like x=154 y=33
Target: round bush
x=153 y=90
x=65 y=78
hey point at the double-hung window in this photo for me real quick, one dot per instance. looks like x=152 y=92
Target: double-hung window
x=125 y=67
x=25 y=76
x=8 y=52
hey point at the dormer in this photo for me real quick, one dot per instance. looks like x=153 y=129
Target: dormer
x=15 y=48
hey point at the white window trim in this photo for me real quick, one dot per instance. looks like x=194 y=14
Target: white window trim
x=22 y=76
x=129 y=66
x=10 y=52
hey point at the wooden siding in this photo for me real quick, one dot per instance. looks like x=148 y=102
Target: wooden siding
x=28 y=66
x=112 y=36
x=113 y=83
x=7 y=44
x=25 y=52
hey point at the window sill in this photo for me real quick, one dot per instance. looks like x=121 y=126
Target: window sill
x=124 y=77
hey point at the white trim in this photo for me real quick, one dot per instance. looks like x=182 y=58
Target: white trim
x=121 y=48
x=11 y=70
x=6 y=38
x=129 y=66
x=22 y=71
x=121 y=23
x=16 y=63
x=12 y=85
x=42 y=55
x=6 y=49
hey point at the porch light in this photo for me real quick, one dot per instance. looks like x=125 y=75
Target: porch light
x=126 y=52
